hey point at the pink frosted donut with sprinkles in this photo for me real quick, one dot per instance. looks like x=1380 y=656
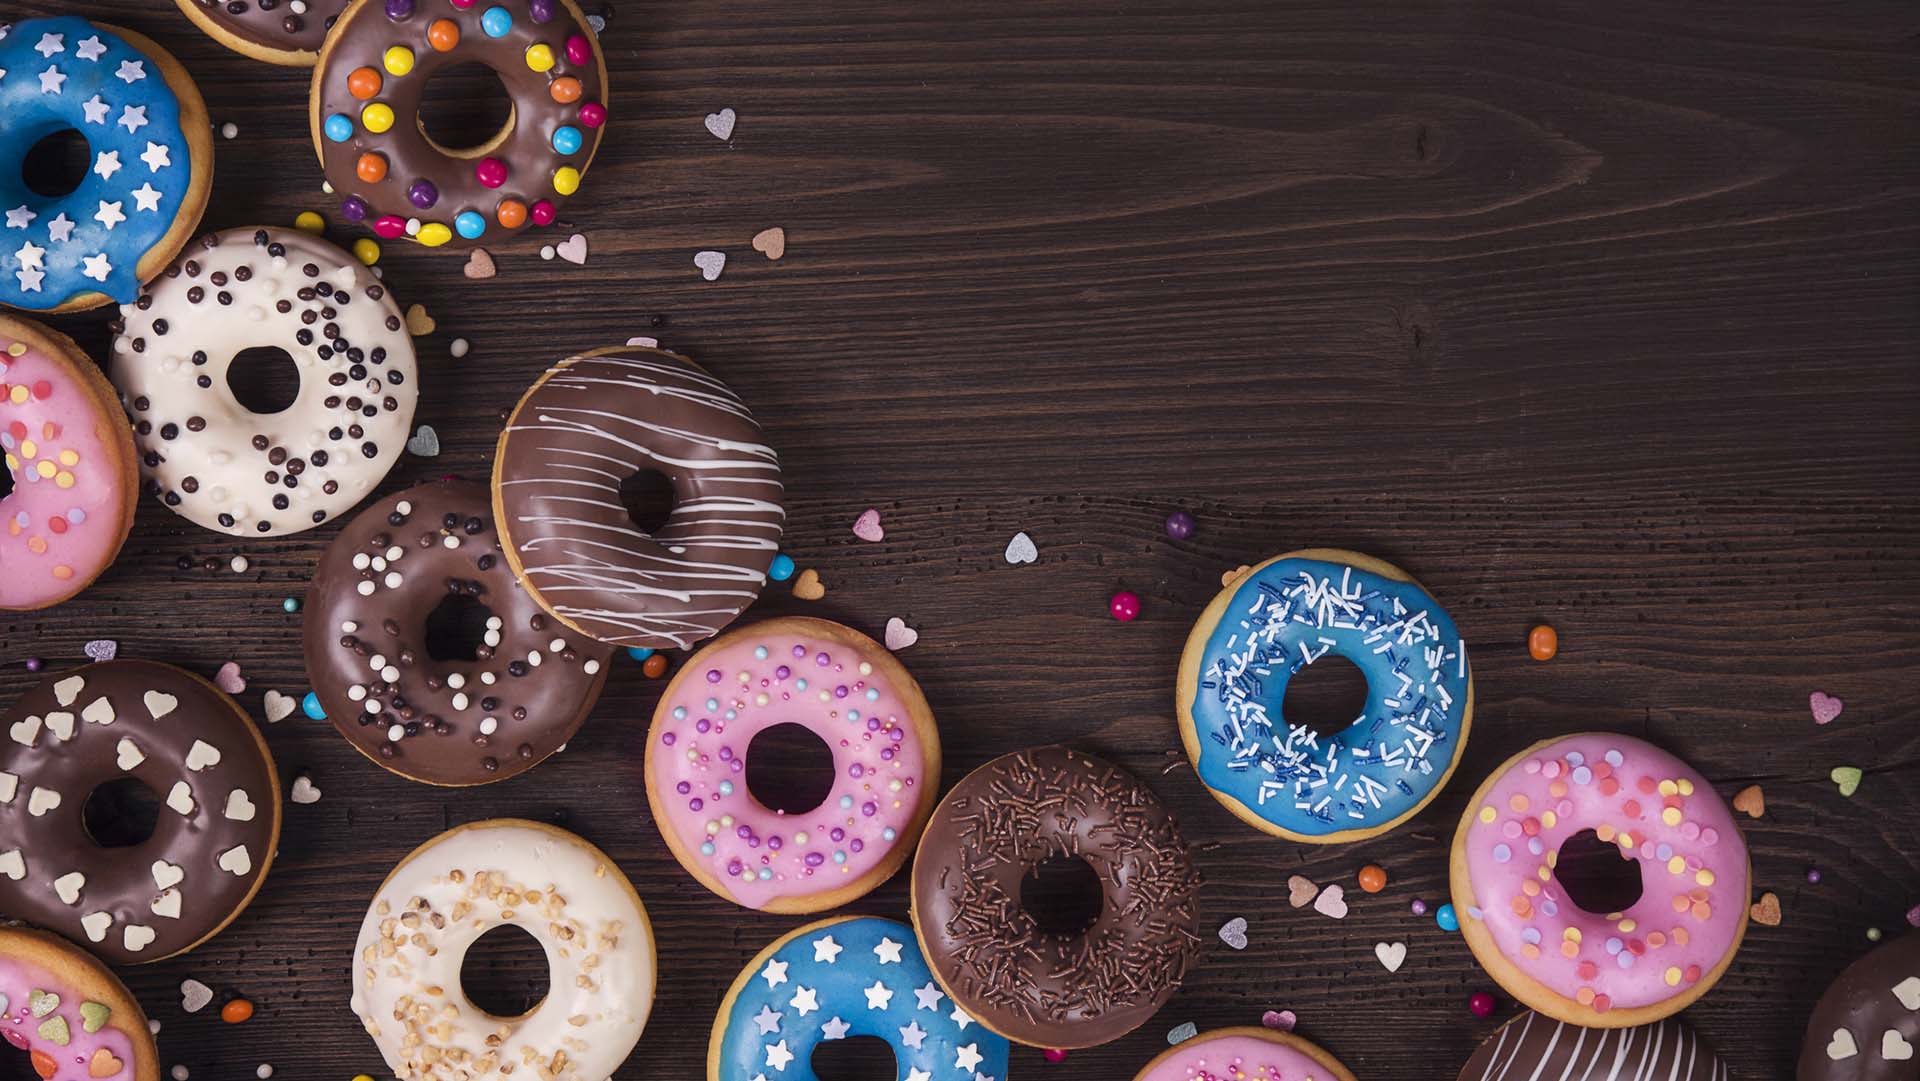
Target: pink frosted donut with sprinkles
x=844 y=688
x=68 y=491
x=1563 y=928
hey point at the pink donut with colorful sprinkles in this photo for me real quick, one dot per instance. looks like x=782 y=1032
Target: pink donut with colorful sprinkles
x=844 y=688
x=1613 y=969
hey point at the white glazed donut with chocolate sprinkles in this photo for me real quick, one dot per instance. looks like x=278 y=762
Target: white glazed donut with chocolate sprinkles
x=208 y=456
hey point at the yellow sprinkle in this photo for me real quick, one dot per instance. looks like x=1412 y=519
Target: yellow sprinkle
x=1671 y=816
x=1548 y=818
x=46 y=468
x=540 y=57
x=1627 y=926
x=566 y=180
x=1704 y=877
x=16 y=349
x=13 y=464
x=433 y=234
x=1626 y=842
x=1676 y=865
x=64 y=479
x=1668 y=788
x=398 y=60
x=366 y=251
x=1545 y=874
x=1673 y=977
x=1488 y=814
x=377 y=117
x=309 y=222
x=1572 y=934
x=18 y=394
x=28 y=448
x=1686 y=787
x=69 y=457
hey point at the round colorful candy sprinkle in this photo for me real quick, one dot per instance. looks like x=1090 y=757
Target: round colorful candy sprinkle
x=639 y=653
x=1419 y=907
x=1543 y=642
x=310 y=705
x=1873 y=934
x=33 y=664
x=309 y=222
x=1913 y=916
x=1125 y=606
x=782 y=568
x=1054 y=1054
x=1373 y=878
x=1179 y=525
x=1813 y=875
x=1481 y=1004
x=236 y=1011
x=290 y=604
x=655 y=666
x=1446 y=919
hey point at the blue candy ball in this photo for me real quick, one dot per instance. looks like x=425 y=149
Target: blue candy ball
x=291 y=604
x=311 y=706
x=1446 y=919
x=469 y=224
x=782 y=568
x=496 y=21
x=339 y=127
x=567 y=139
x=639 y=653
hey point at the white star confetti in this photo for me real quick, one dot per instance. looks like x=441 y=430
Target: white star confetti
x=97 y=267
x=929 y=996
x=30 y=280
x=966 y=1058
x=90 y=48
x=133 y=118
x=888 y=951
x=20 y=217
x=51 y=80
x=107 y=164
x=156 y=157
x=778 y=1056
x=879 y=996
x=912 y=1035
x=51 y=45
x=60 y=229
x=804 y=1000
x=767 y=1021
x=131 y=71
x=835 y=1029
x=146 y=197
x=775 y=973
x=29 y=255
x=109 y=214
x=95 y=109
x=826 y=949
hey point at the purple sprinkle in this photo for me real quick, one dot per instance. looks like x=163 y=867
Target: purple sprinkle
x=734 y=764
x=353 y=208
x=399 y=9
x=742 y=831
x=733 y=868
x=856 y=770
x=1813 y=875
x=776 y=842
x=667 y=738
x=1913 y=916
x=541 y=10
x=702 y=725
x=33 y=664
x=713 y=675
x=838 y=835
x=840 y=691
x=873 y=724
x=753 y=842
x=782 y=672
x=869 y=809
x=423 y=194
x=823 y=660
x=815 y=859
x=886 y=754
x=683 y=788
x=799 y=651
x=103 y=649
x=696 y=804
x=1179 y=525
x=896 y=734
x=1419 y=907
x=726 y=754
x=857 y=844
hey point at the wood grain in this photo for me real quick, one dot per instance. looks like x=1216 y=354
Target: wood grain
x=1598 y=315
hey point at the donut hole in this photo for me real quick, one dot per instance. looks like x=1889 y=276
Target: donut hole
x=16 y=1064
x=6 y=481
x=57 y=165
x=1326 y=696
x=264 y=379
x=1596 y=877
x=855 y=1058
x=649 y=498
x=1063 y=895
x=465 y=110
x=121 y=813
x=505 y=972
x=789 y=769
x=457 y=628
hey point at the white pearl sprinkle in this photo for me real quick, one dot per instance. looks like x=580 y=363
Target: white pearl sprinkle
x=379 y=564
x=393 y=580
x=230 y=129
x=404 y=507
x=366 y=588
x=361 y=561
x=394 y=553
x=179 y=1073
x=450 y=541
x=489 y=725
x=390 y=674
x=357 y=693
x=374 y=706
x=459 y=348
x=533 y=657
x=395 y=732
x=592 y=667
x=556 y=645
x=456 y=681
x=377 y=661
x=265 y=1070
x=488 y=678
x=494 y=623
x=348 y=626
x=460 y=700
x=239 y=564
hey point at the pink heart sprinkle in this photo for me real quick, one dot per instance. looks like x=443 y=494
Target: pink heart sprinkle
x=1913 y=915
x=867 y=526
x=1825 y=707
x=228 y=679
x=1283 y=1020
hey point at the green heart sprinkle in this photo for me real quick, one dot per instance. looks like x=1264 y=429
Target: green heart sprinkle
x=54 y=1031
x=42 y=1003
x=1847 y=777
x=93 y=1016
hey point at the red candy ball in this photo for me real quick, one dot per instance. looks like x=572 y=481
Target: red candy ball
x=1054 y=1054
x=1124 y=606
x=593 y=114
x=578 y=50
x=542 y=213
x=390 y=227
x=1481 y=1004
x=491 y=171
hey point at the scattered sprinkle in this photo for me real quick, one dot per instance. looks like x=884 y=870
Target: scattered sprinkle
x=639 y=653
x=1279 y=1020
x=1446 y=919
x=194 y=995
x=1751 y=800
x=419 y=323
x=459 y=347
x=1543 y=642
x=1182 y=1032
x=573 y=249
x=1227 y=578
x=236 y=1011
x=1332 y=902
x=178 y=1073
x=546 y=251
x=103 y=649
x=1848 y=778
x=771 y=243
x=425 y=442
x=1825 y=707
x=711 y=263
x=1873 y=934
x=1813 y=876
x=276 y=706
x=1021 y=550
x=310 y=705
x=1418 y=907
x=1481 y=1004
x=899 y=636
x=867 y=526
x=366 y=251
x=229 y=130
x=808 y=586
x=229 y=679
x=1179 y=525
x=644 y=342
x=1301 y=890
x=1913 y=916
x=1373 y=878
x=598 y=22
x=1766 y=911
x=1053 y=1054
x=33 y=664
x=1124 y=606
x=1234 y=932
x=308 y=222
x=289 y=605
x=263 y=1071
x=655 y=666
x=782 y=568
x=720 y=124
x=1391 y=954
x=303 y=790
x=238 y=564
x=480 y=264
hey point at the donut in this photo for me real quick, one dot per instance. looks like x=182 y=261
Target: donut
x=1867 y=1025
x=841 y=977
x=70 y=483
x=843 y=687
x=1244 y=1054
x=364 y=110
x=151 y=150
x=194 y=749
x=207 y=456
x=1030 y=985
x=69 y=1013
x=522 y=693
x=469 y=880
x=1284 y=778
x=1600 y=969
x=1532 y=1046
x=587 y=425
x=284 y=32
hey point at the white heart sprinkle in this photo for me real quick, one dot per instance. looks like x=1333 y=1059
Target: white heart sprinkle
x=1234 y=932
x=9 y=784
x=425 y=442
x=167 y=875
x=1894 y=1047
x=202 y=755
x=41 y=801
x=68 y=689
x=25 y=732
x=136 y=937
x=95 y=924
x=711 y=263
x=236 y=860
x=159 y=703
x=239 y=807
x=194 y=995
x=720 y=124
x=1182 y=1032
x=99 y=711
x=277 y=706
x=573 y=249
x=1391 y=954
x=68 y=886
x=1332 y=902
x=60 y=723
x=1021 y=550
x=899 y=635
x=303 y=791
x=180 y=798
x=127 y=755
x=1908 y=992
x=13 y=865
x=167 y=904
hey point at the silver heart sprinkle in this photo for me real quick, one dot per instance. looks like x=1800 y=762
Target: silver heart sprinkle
x=425 y=442
x=1234 y=932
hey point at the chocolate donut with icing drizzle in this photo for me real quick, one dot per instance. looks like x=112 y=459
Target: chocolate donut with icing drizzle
x=484 y=715
x=588 y=425
x=1866 y=1027
x=1536 y=1046
x=1023 y=981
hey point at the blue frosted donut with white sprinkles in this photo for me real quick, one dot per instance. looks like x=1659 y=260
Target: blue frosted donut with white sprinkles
x=149 y=154
x=1274 y=620
x=849 y=976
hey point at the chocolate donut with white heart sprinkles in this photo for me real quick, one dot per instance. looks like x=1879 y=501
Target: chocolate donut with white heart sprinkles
x=395 y=674
x=193 y=749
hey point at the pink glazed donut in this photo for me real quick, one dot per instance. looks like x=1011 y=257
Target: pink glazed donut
x=1601 y=969
x=70 y=468
x=838 y=684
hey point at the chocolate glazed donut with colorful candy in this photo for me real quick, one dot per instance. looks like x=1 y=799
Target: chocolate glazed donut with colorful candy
x=284 y=32
x=365 y=105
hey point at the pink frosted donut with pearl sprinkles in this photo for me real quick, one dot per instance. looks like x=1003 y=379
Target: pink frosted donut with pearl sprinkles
x=844 y=688
x=1539 y=931
x=1244 y=1053
x=71 y=480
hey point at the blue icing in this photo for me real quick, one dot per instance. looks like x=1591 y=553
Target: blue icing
x=862 y=976
x=65 y=73
x=1285 y=616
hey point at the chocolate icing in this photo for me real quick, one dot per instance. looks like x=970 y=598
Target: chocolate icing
x=532 y=683
x=1872 y=1010
x=589 y=424
x=998 y=824
x=286 y=26
x=1535 y=1046
x=65 y=738
x=558 y=114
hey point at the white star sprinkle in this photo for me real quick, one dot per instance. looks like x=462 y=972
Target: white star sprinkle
x=107 y=164
x=766 y=1020
x=60 y=229
x=51 y=44
x=146 y=197
x=95 y=109
x=804 y=1001
x=156 y=157
x=960 y=1017
x=915 y=1073
x=912 y=1035
x=778 y=1056
x=888 y=951
x=133 y=118
x=109 y=214
x=90 y=48
x=826 y=949
x=30 y=279
x=30 y=256
x=775 y=973
x=97 y=267
x=20 y=217
x=835 y=1029
x=131 y=71
x=51 y=80
x=929 y=996
x=966 y=1058
x=878 y=996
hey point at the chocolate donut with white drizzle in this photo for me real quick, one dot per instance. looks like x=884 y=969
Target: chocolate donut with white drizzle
x=1535 y=1045
x=584 y=428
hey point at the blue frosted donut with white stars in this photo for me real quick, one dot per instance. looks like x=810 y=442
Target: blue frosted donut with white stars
x=1269 y=624
x=149 y=153
x=849 y=976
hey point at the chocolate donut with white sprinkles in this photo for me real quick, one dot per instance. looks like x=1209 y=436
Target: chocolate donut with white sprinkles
x=426 y=704
x=1018 y=978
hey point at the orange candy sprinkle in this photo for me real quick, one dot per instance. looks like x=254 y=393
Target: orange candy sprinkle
x=565 y=90
x=512 y=214
x=1373 y=878
x=654 y=667
x=1542 y=643
x=443 y=35
x=364 y=83
x=236 y=1011
x=43 y=1064
x=371 y=168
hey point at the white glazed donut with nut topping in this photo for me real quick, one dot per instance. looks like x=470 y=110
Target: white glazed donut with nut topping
x=455 y=888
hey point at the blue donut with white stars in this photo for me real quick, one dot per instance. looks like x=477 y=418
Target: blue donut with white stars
x=1273 y=621
x=150 y=162
x=849 y=976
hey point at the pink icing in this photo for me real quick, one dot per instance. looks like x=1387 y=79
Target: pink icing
x=61 y=524
x=74 y=1061
x=1693 y=870
x=1236 y=1058
x=699 y=766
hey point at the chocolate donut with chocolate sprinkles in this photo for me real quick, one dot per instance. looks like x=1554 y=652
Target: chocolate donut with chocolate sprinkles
x=427 y=655
x=1000 y=965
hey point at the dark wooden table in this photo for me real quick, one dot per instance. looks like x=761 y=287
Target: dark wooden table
x=1603 y=316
